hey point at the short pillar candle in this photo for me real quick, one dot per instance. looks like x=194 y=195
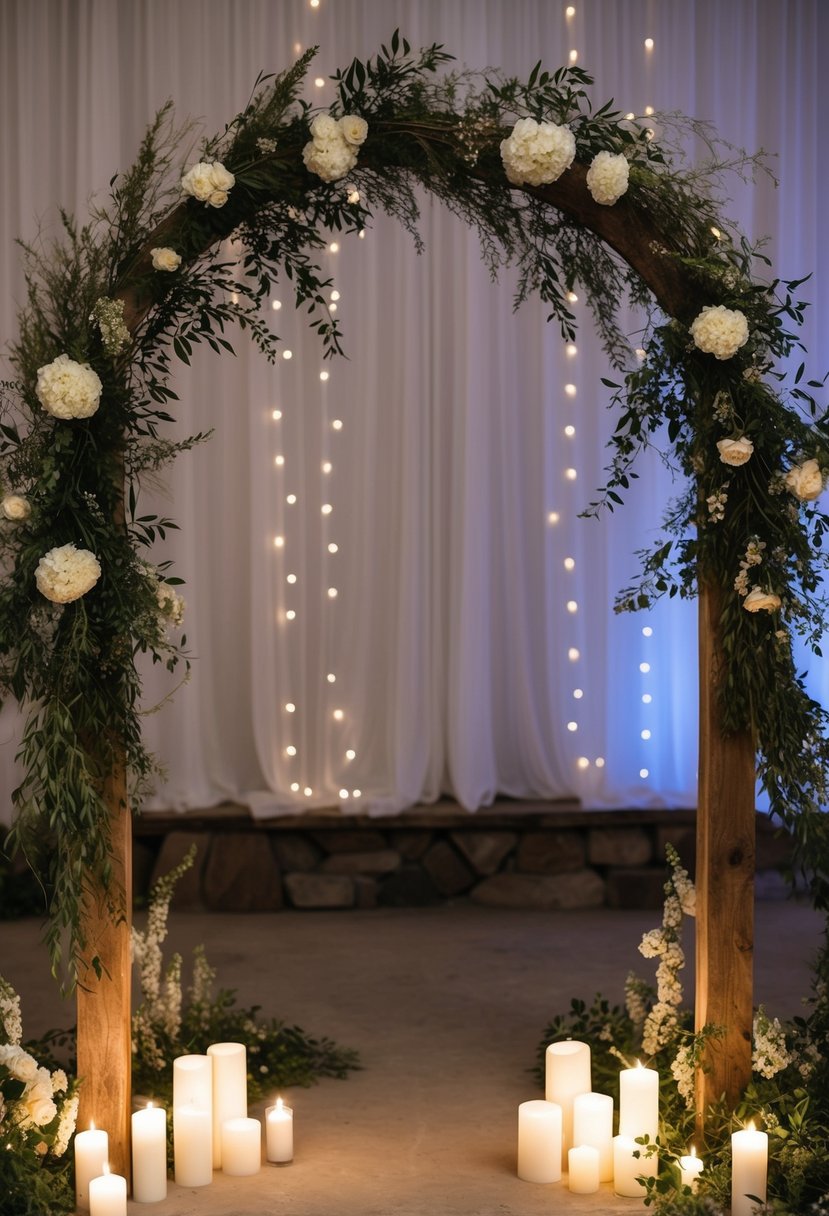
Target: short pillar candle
x=91 y=1155
x=627 y=1167
x=241 y=1147
x=279 y=1133
x=567 y=1075
x=149 y=1154
x=593 y=1124
x=690 y=1168
x=230 y=1089
x=539 y=1141
x=192 y=1146
x=749 y=1169
x=583 y=1166
x=108 y=1195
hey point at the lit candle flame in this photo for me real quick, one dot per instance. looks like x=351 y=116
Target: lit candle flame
x=693 y=1151
x=751 y=1127
x=92 y=1125
x=279 y=1105
x=149 y=1106
x=106 y=1167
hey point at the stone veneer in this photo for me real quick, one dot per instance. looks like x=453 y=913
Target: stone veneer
x=513 y=855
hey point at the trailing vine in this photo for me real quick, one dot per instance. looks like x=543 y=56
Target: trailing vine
x=188 y=245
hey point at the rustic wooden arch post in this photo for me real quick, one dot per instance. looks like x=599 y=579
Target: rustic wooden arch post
x=725 y=820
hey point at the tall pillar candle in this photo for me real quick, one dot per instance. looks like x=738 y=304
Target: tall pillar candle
x=639 y=1102
x=567 y=1075
x=230 y=1089
x=241 y=1147
x=583 y=1169
x=593 y=1125
x=279 y=1133
x=149 y=1154
x=108 y=1195
x=749 y=1169
x=539 y=1141
x=193 y=1120
x=91 y=1155
x=627 y=1167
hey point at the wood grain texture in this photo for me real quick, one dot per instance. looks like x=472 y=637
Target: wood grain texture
x=724 y=879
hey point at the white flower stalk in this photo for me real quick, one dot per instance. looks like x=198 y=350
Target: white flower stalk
x=608 y=177
x=720 y=331
x=66 y=573
x=209 y=182
x=770 y=1054
x=661 y=1024
x=11 y=1022
x=170 y=604
x=537 y=153
x=67 y=389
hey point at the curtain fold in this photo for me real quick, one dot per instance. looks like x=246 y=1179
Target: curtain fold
x=390 y=593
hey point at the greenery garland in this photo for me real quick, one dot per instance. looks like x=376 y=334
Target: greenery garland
x=111 y=303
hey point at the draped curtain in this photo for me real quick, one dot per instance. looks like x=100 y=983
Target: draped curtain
x=390 y=593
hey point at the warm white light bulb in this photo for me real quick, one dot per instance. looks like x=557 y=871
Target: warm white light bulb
x=333 y=547
x=290 y=499
x=630 y=116
x=327 y=466
x=572 y=298
x=553 y=517
x=599 y=762
x=290 y=615
x=326 y=508
x=570 y=474
x=649 y=110
x=307 y=791
x=331 y=678
x=295 y=787
x=356 y=793
x=343 y=794
x=290 y=578
x=649 y=44
x=572 y=726
x=573 y=654
x=335 y=295
x=354 y=197
x=646 y=734
x=334 y=247
x=574 y=56
x=569 y=563
x=290 y=708
x=647 y=631
x=350 y=754
x=338 y=715
x=290 y=750
x=362 y=234
x=279 y=461
x=276 y=305
x=570 y=390
x=332 y=593
x=646 y=698
x=319 y=81
x=324 y=376
x=337 y=425
x=279 y=541
x=578 y=693
x=332 y=307
x=572 y=606
x=643 y=772
x=276 y=415
x=583 y=762
x=644 y=668
x=287 y=354
x=571 y=349
x=570 y=11
x=569 y=431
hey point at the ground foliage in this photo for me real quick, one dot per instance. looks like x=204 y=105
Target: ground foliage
x=73 y=667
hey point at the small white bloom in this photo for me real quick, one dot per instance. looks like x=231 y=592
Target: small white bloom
x=805 y=481
x=15 y=507
x=165 y=258
x=325 y=129
x=66 y=573
x=735 y=451
x=67 y=389
x=170 y=604
x=60 y=1082
x=607 y=177
x=20 y=1064
x=209 y=182
x=720 y=331
x=537 y=152
x=758 y=600
x=354 y=129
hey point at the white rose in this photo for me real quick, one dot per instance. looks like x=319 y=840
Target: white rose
x=67 y=389
x=38 y=1102
x=735 y=451
x=805 y=480
x=66 y=573
x=719 y=331
x=165 y=258
x=537 y=152
x=354 y=129
x=209 y=182
x=20 y=1064
x=608 y=177
x=758 y=600
x=223 y=179
x=15 y=506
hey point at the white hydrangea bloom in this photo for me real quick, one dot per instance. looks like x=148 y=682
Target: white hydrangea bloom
x=720 y=331
x=67 y=389
x=608 y=177
x=537 y=152
x=66 y=573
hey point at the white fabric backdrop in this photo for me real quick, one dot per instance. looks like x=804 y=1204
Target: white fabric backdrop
x=449 y=637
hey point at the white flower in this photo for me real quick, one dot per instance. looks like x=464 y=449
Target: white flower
x=537 y=152
x=325 y=129
x=735 y=451
x=37 y=1099
x=20 y=1064
x=758 y=600
x=67 y=389
x=165 y=258
x=209 y=182
x=66 y=573
x=60 y=1082
x=607 y=177
x=66 y=1127
x=16 y=507
x=720 y=331
x=653 y=943
x=170 y=604
x=770 y=1055
x=11 y=1022
x=805 y=480
x=354 y=129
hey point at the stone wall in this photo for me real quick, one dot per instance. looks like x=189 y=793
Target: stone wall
x=513 y=855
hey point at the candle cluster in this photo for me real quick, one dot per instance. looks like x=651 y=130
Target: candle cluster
x=211 y=1130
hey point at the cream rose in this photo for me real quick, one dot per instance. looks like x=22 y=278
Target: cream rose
x=16 y=507
x=354 y=129
x=805 y=480
x=758 y=600
x=20 y=1064
x=67 y=389
x=719 y=331
x=608 y=177
x=209 y=182
x=66 y=573
x=735 y=451
x=165 y=258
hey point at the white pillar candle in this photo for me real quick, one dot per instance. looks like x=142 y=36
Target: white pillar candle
x=539 y=1141
x=593 y=1124
x=193 y=1082
x=91 y=1155
x=230 y=1089
x=567 y=1075
x=749 y=1169
x=627 y=1167
x=149 y=1154
x=108 y=1195
x=192 y=1146
x=279 y=1124
x=583 y=1163
x=241 y=1147
x=690 y=1169
x=639 y=1102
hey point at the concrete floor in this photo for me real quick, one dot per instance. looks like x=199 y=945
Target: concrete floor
x=445 y=1006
